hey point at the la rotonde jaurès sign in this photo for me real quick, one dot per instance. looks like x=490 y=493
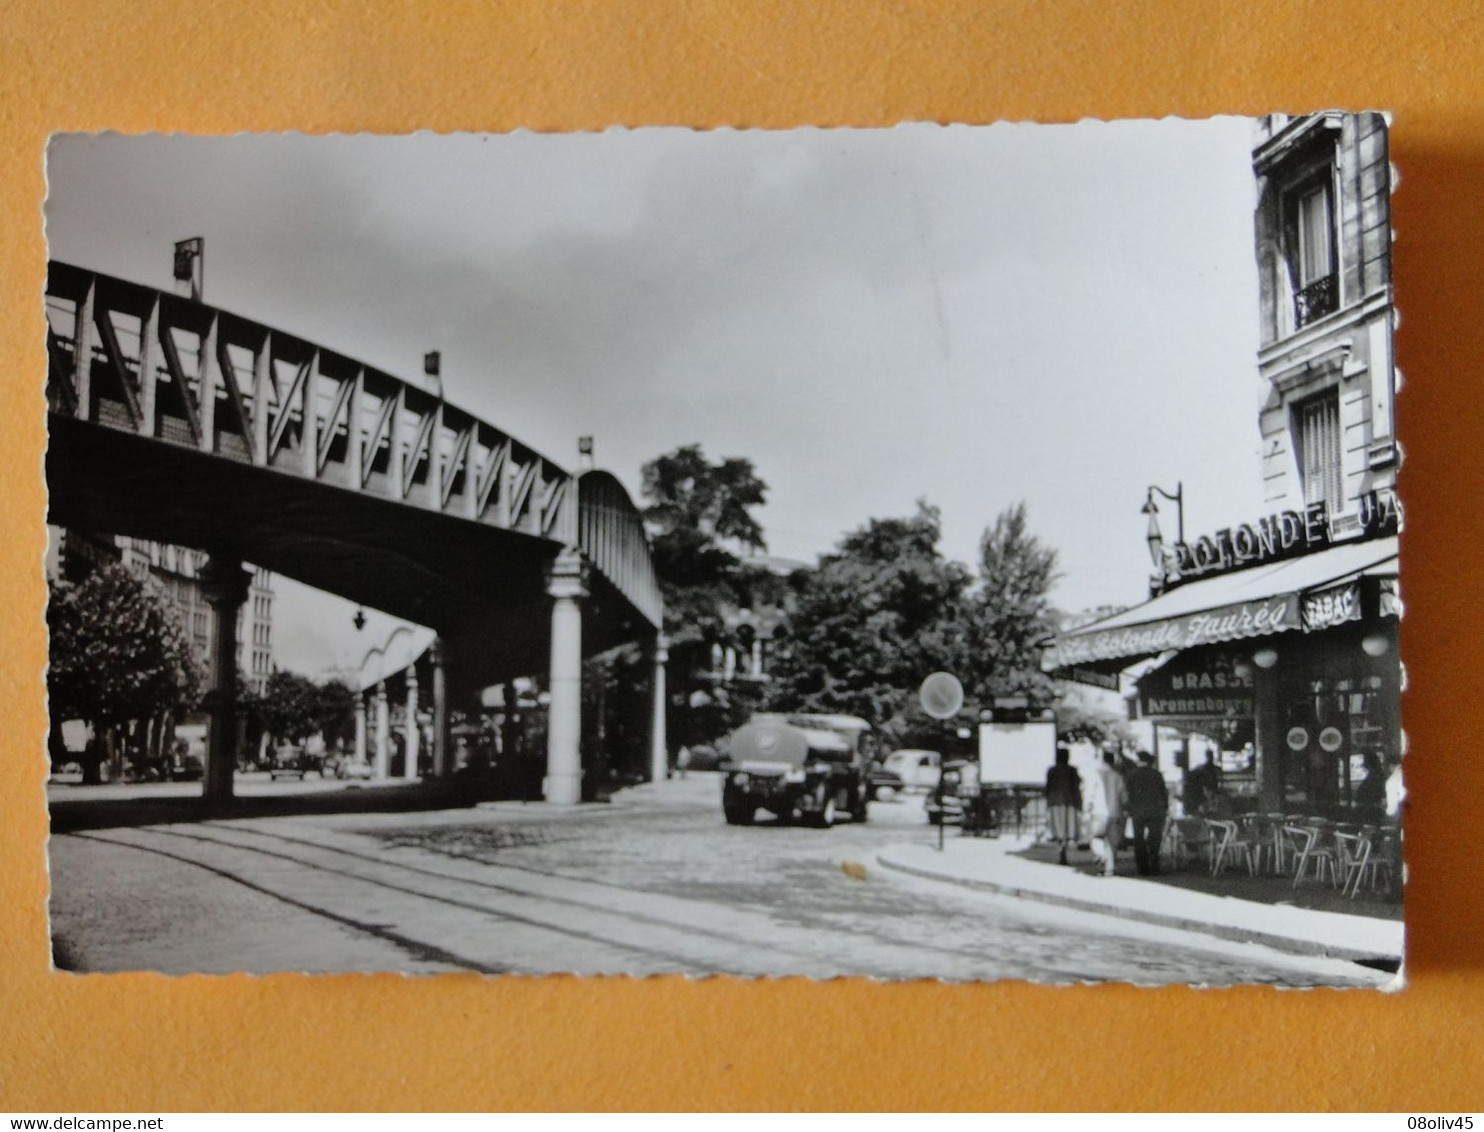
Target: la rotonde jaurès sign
x=1273 y=537
x=1210 y=626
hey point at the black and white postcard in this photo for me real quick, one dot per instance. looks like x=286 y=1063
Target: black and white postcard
x=958 y=553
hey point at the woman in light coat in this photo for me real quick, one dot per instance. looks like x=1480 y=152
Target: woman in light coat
x=1107 y=805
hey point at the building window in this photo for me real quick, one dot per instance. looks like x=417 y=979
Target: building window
x=1311 y=251
x=1319 y=451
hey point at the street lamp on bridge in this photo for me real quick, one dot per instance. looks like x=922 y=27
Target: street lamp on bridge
x=190 y=267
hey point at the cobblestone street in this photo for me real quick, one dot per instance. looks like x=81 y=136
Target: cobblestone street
x=656 y=884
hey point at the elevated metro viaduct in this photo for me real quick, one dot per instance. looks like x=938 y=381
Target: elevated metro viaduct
x=175 y=421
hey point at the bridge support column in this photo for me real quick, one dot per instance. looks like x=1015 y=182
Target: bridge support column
x=442 y=760
x=361 y=728
x=383 y=732
x=410 y=732
x=224 y=585
x=566 y=585
x=659 y=752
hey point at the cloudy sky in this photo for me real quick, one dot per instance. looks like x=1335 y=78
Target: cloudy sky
x=974 y=316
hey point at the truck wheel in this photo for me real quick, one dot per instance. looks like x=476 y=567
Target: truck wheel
x=824 y=817
x=738 y=813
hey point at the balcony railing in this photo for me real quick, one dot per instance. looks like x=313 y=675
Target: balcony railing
x=1313 y=302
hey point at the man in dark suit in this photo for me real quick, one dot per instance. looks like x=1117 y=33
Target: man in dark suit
x=1202 y=787
x=1148 y=802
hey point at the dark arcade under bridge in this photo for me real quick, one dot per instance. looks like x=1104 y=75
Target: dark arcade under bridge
x=195 y=426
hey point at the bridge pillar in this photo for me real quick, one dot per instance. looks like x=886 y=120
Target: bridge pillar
x=383 y=732
x=659 y=752
x=410 y=733
x=566 y=585
x=441 y=760
x=224 y=586
x=361 y=728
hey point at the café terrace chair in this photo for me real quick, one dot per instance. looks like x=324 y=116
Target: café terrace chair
x=1353 y=852
x=1383 y=853
x=1231 y=845
x=1316 y=845
x=1266 y=834
x=1189 y=838
x=1282 y=845
x=1291 y=841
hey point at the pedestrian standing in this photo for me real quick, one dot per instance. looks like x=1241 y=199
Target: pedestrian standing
x=1202 y=787
x=1148 y=803
x=1370 y=793
x=1107 y=805
x=1063 y=801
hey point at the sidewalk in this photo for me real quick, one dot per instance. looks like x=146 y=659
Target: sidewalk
x=114 y=805
x=990 y=865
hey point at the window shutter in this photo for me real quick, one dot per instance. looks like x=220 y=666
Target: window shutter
x=1319 y=436
x=1316 y=259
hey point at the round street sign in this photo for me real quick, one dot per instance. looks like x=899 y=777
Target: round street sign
x=942 y=696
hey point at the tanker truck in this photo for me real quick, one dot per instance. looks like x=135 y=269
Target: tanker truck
x=805 y=767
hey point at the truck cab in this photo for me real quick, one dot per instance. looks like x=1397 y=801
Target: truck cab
x=800 y=767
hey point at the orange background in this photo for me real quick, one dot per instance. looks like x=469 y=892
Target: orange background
x=360 y=1042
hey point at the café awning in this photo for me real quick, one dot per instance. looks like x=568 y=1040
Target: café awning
x=1314 y=591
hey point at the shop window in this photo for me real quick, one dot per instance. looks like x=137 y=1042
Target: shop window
x=1320 y=468
x=1310 y=236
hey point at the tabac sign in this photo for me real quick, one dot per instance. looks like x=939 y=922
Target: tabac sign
x=1331 y=607
x=1210 y=687
x=1212 y=626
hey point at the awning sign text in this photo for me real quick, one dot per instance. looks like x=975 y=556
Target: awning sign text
x=1230 y=623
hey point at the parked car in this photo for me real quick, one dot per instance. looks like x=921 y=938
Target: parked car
x=289 y=760
x=186 y=766
x=804 y=767
x=346 y=766
x=883 y=783
x=703 y=756
x=918 y=770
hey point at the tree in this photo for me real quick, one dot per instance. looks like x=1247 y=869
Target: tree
x=878 y=615
x=117 y=655
x=700 y=517
x=696 y=506
x=334 y=711
x=886 y=609
x=1013 y=613
x=289 y=706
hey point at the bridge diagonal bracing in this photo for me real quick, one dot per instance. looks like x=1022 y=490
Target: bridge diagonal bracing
x=176 y=421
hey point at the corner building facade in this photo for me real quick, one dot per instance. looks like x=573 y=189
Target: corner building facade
x=1277 y=637
x=1323 y=227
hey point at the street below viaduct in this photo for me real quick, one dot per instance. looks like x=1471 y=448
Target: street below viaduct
x=655 y=883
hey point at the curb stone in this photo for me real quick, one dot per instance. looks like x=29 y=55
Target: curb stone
x=1285 y=943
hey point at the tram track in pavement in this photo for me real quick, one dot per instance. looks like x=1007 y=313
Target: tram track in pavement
x=416 y=922
x=1035 y=972
x=1005 y=969
x=414 y=948
x=719 y=951
x=749 y=941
